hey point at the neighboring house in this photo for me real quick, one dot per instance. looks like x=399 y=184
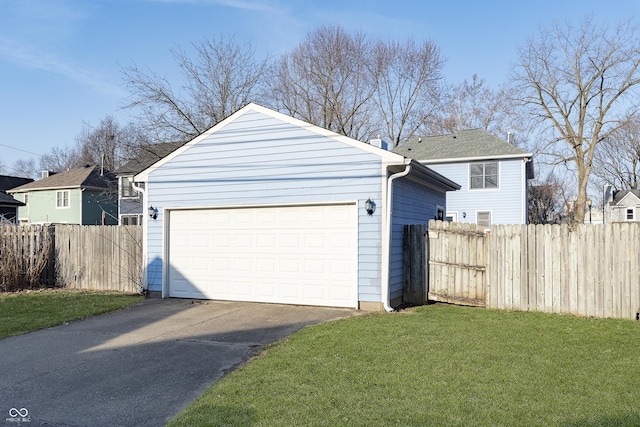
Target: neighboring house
x=267 y=208
x=130 y=203
x=8 y=205
x=78 y=196
x=494 y=175
x=621 y=206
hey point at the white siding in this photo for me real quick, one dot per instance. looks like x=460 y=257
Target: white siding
x=507 y=203
x=412 y=204
x=259 y=160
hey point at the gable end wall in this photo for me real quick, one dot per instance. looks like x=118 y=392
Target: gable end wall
x=259 y=160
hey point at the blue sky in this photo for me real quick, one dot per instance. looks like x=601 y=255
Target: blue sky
x=61 y=60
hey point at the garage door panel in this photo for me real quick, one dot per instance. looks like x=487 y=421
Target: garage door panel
x=296 y=255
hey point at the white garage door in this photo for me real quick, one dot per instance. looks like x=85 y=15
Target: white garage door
x=291 y=255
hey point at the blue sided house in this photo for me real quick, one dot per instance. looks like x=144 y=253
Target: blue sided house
x=267 y=208
x=494 y=175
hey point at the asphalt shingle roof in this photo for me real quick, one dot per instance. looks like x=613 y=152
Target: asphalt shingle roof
x=8 y=182
x=148 y=155
x=7 y=200
x=85 y=177
x=471 y=143
x=619 y=195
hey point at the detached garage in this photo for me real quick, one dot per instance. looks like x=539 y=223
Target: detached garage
x=267 y=208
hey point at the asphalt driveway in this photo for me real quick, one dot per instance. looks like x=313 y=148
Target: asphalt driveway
x=139 y=366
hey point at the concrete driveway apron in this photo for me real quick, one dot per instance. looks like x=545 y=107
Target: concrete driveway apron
x=139 y=366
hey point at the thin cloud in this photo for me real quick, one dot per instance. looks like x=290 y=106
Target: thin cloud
x=236 y=4
x=28 y=57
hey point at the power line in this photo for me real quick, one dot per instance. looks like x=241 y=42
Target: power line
x=24 y=151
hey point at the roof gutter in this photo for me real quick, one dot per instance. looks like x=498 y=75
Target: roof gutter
x=474 y=159
x=386 y=247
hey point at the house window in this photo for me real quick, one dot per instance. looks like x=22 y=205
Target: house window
x=452 y=216
x=484 y=219
x=131 y=220
x=483 y=175
x=126 y=187
x=62 y=199
x=630 y=214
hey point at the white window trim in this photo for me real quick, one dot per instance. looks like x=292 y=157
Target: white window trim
x=68 y=199
x=453 y=215
x=138 y=216
x=633 y=214
x=490 y=217
x=484 y=188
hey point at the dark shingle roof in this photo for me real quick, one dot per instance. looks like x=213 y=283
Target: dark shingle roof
x=85 y=177
x=7 y=200
x=465 y=144
x=149 y=154
x=8 y=182
x=619 y=195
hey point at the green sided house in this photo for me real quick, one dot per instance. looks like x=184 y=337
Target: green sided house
x=86 y=196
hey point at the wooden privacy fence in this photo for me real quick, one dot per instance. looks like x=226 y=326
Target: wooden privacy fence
x=99 y=257
x=80 y=257
x=590 y=270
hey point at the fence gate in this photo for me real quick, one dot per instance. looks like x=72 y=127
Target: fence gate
x=457 y=263
x=414 y=289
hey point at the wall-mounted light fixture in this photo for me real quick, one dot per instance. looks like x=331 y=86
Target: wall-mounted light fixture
x=369 y=206
x=153 y=212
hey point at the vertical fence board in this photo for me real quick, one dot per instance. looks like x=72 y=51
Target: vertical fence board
x=587 y=270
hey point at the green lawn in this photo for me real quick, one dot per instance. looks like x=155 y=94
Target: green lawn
x=28 y=311
x=436 y=365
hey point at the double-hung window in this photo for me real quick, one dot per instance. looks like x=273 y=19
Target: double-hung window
x=62 y=199
x=483 y=175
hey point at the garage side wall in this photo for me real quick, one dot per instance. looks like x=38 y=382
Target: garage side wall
x=413 y=203
x=258 y=160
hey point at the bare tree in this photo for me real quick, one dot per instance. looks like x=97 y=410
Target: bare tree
x=60 y=159
x=109 y=144
x=26 y=168
x=326 y=81
x=617 y=160
x=408 y=87
x=473 y=105
x=3 y=167
x=222 y=79
x=580 y=85
x=546 y=201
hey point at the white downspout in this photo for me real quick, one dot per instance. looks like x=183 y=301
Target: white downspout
x=386 y=247
x=143 y=191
